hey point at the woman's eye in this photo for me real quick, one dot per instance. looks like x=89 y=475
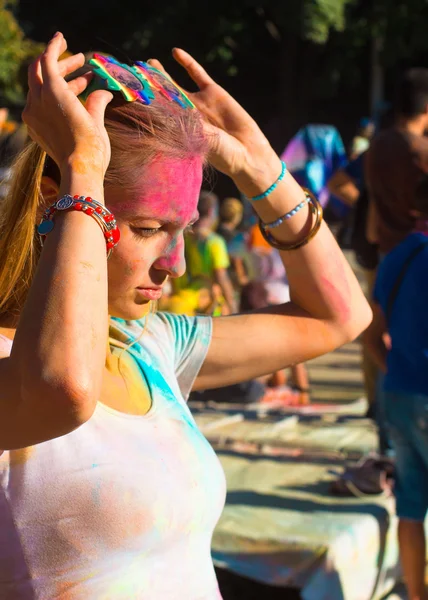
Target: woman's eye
x=145 y=231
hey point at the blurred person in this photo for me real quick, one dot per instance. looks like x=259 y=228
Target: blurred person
x=271 y=275
x=274 y=277
x=395 y=161
x=312 y=156
x=256 y=241
x=361 y=141
x=394 y=164
x=348 y=184
x=271 y=292
x=231 y=213
x=199 y=297
x=398 y=340
x=93 y=416
x=345 y=184
x=206 y=251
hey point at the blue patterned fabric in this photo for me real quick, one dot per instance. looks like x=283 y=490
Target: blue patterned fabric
x=312 y=156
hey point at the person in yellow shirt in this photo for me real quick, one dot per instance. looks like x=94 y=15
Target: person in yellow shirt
x=206 y=253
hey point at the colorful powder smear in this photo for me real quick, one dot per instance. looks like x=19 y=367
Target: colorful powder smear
x=139 y=82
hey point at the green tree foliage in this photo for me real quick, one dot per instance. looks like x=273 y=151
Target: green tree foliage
x=321 y=16
x=401 y=24
x=287 y=61
x=15 y=51
x=219 y=29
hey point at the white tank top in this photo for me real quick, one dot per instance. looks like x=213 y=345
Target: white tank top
x=124 y=507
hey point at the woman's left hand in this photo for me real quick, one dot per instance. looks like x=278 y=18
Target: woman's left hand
x=238 y=148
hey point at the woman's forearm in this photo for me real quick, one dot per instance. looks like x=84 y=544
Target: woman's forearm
x=321 y=280
x=60 y=343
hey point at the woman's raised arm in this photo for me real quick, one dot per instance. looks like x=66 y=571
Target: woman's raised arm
x=327 y=307
x=51 y=382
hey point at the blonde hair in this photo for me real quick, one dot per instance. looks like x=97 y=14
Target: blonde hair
x=231 y=210
x=137 y=135
x=20 y=247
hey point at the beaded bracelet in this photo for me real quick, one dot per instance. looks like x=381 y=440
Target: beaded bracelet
x=273 y=186
x=316 y=209
x=288 y=215
x=89 y=206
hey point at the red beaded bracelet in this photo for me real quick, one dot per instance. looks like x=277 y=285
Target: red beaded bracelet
x=89 y=206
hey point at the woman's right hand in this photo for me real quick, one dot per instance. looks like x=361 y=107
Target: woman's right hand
x=71 y=133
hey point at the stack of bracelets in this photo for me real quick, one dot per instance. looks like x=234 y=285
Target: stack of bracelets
x=89 y=206
x=315 y=208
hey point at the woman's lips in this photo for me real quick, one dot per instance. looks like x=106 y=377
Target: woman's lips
x=150 y=293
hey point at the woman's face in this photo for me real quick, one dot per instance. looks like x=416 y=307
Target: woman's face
x=152 y=222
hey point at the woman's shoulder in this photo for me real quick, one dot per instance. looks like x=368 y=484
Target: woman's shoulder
x=165 y=328
x=179 y=342
x=178 y=328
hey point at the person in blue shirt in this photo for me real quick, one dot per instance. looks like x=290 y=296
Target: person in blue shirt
x=398 y=341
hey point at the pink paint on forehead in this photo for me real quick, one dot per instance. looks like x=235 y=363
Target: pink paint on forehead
x=169 y=189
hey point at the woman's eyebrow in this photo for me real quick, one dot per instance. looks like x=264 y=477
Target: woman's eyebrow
x=162 y=220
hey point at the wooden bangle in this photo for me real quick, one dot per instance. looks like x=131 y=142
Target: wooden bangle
x=316 y=209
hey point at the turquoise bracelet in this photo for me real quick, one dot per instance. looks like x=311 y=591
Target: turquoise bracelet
x=273 y=186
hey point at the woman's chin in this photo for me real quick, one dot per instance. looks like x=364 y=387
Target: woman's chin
x=132 y=311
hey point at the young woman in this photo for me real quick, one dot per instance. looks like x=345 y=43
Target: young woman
x=107 y=488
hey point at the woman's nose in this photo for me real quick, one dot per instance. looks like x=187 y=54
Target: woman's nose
x=172 y=260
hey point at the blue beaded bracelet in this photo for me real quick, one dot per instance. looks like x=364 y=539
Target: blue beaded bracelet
x=288 y=215
x=273 y=186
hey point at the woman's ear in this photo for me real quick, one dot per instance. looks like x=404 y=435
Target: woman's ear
x=49 y=189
